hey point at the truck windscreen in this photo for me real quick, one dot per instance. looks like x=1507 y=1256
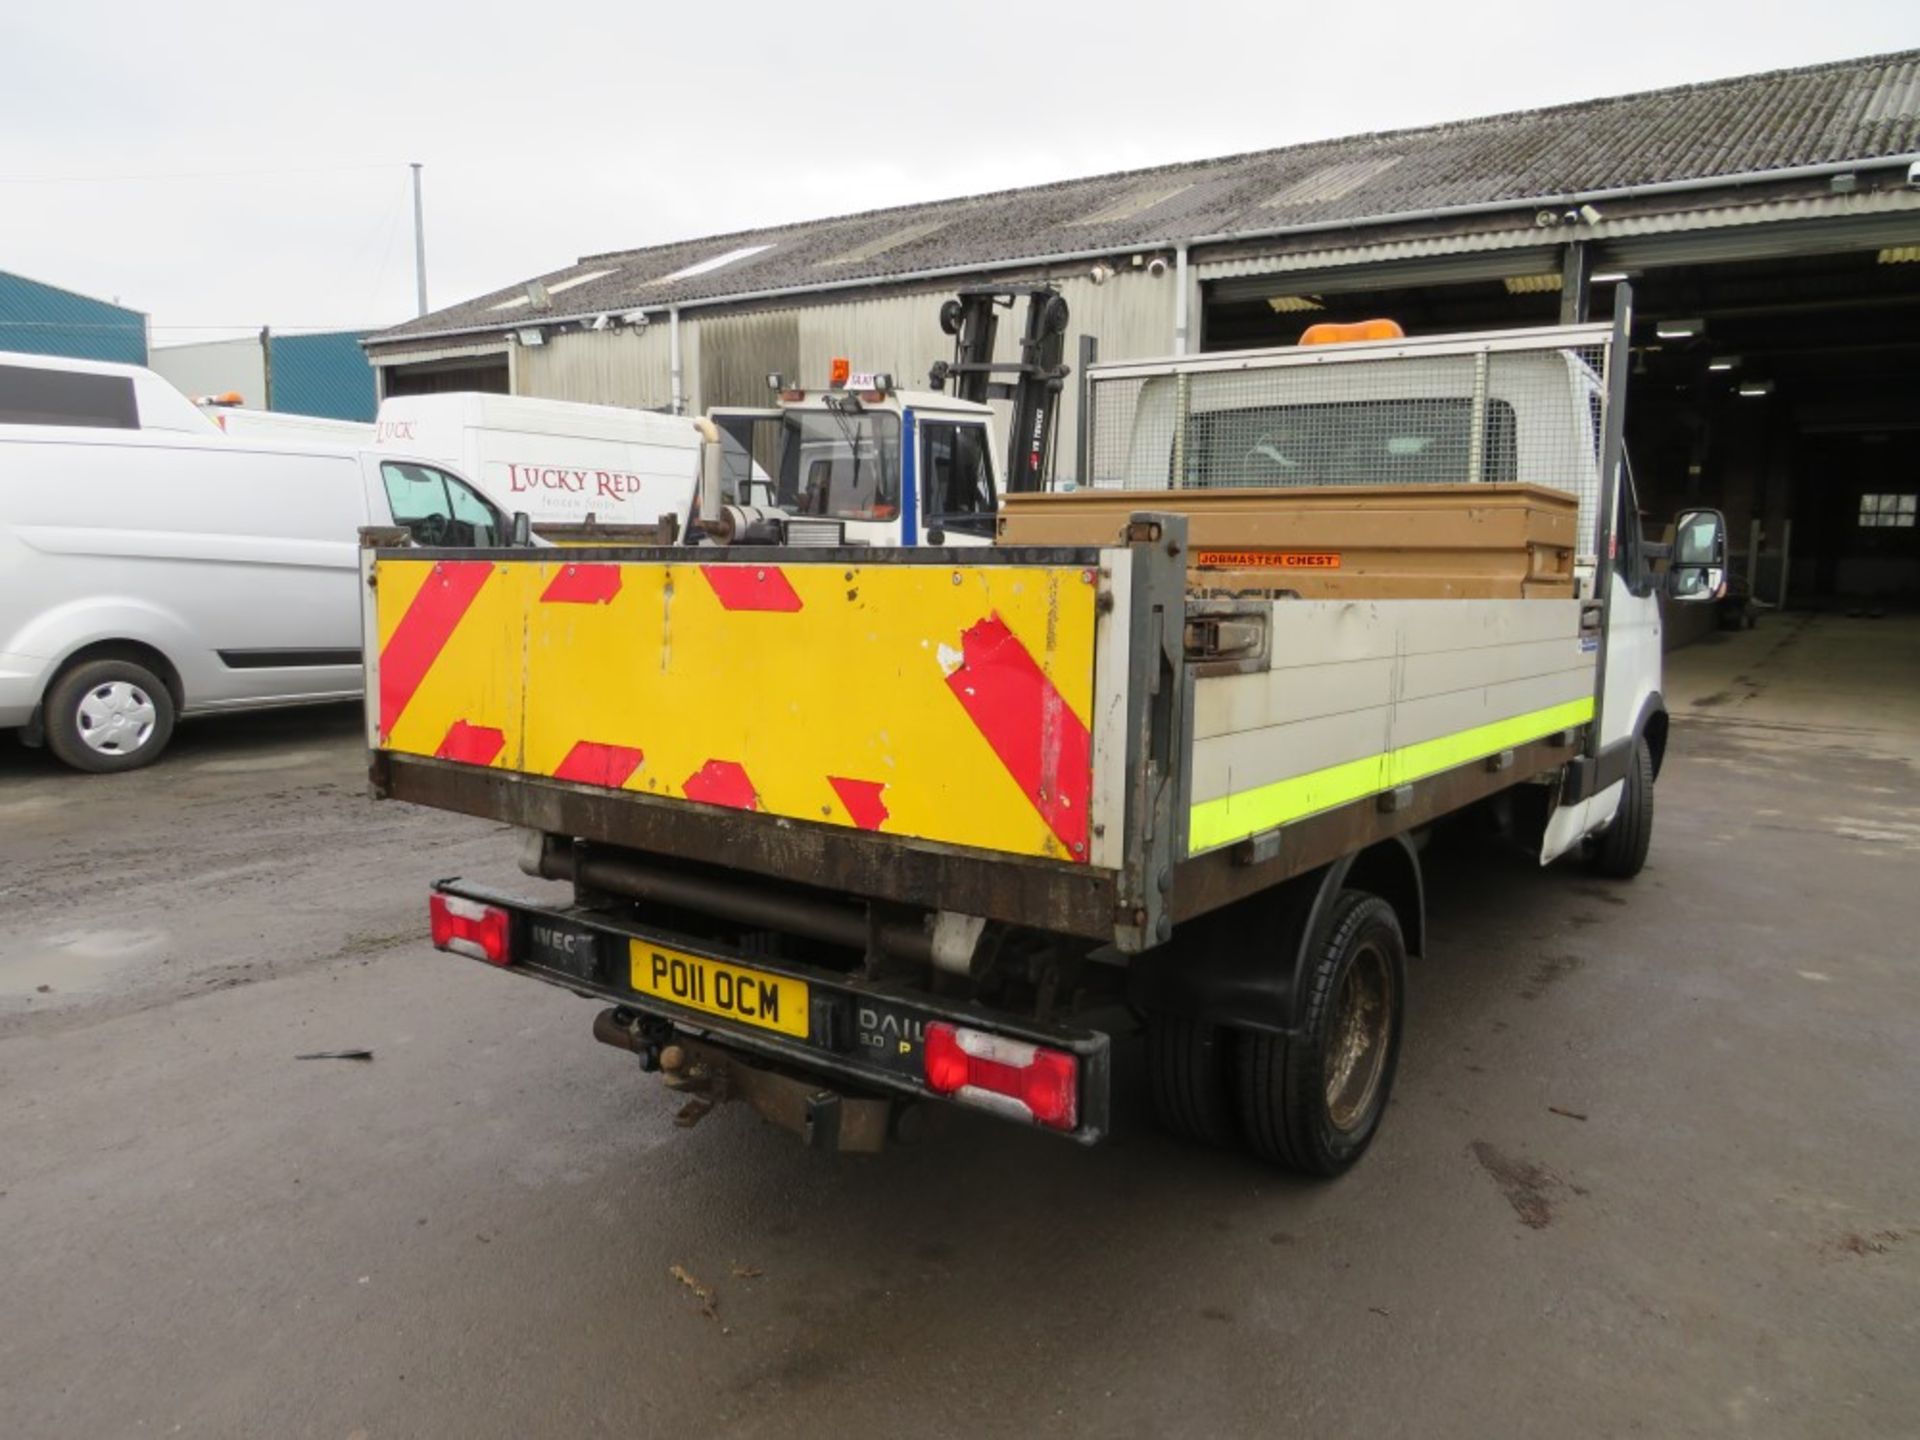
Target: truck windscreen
x=1349 y=442
x=843 y=465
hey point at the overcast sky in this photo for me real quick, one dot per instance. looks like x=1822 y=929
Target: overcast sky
x=218 y=167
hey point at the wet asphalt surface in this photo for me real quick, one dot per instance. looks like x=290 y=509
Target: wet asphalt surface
x=1651 y=1167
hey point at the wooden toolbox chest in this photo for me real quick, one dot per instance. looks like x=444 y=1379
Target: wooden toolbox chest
x=1385 y=542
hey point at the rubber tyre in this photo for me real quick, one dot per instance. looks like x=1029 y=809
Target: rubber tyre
x=1191 y=1066
x=61 y=715
x=1620 y=850
x=1285 y=1114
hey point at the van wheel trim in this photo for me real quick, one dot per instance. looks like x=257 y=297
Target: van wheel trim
x=116 y=718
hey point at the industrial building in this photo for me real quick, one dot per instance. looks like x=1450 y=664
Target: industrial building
x=324 y=374
x=1770 y=226
x=41 y=319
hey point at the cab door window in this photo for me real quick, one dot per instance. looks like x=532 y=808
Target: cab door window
x=956 y=475
x=437 y=508
x=470 y=511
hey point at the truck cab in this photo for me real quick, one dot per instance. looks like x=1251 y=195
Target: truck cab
x=855 y=463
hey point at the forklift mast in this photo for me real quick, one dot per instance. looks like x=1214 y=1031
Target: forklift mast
x=1039 y=376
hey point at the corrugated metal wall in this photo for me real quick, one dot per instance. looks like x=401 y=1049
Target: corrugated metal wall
x=213 y=367
x=1132 y=314
x=46 y=320
x=325 y=374
x=725 y=359
x=738 y=352
x=897 y=334
x=1132 y=317
x=599 y=367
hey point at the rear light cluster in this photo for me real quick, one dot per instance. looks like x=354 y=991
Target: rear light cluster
x=1009 y=1077
x=466 y=927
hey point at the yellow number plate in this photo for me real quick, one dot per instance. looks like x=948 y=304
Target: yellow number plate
x=768 y=1002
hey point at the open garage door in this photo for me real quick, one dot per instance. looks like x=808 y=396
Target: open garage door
x=1787 y=391
x=487 y=374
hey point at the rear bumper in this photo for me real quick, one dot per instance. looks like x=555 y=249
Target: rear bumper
x=863 y=1033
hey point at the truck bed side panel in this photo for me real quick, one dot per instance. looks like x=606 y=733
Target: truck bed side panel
x=1364 y=696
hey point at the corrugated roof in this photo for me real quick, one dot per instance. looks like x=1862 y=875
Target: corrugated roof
x=1846 y=111
x=1897 y=208
x=1320 y=188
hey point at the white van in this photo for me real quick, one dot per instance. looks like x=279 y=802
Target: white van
x=277 y=425
x=563 y=463
x=151 y=566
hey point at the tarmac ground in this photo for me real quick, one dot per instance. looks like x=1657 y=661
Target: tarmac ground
x=1652 y=1166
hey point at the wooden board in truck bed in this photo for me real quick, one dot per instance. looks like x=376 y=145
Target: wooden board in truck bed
x=1373 y=542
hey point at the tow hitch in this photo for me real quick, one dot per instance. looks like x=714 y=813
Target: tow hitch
x=709 y=1076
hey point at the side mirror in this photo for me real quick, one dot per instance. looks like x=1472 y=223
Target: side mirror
x=1697 y=569
x=520 y=530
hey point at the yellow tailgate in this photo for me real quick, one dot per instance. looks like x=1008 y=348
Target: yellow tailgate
x=948 y=703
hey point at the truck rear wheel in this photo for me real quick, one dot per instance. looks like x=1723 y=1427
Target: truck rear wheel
x=1312 y=1101
x=107 y=715
x=1191 y=1064
x=1620 y=850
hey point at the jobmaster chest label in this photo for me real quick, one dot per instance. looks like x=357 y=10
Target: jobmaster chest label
x=1268 y=559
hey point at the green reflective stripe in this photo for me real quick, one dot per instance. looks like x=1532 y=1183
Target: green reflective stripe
x=1218 y=822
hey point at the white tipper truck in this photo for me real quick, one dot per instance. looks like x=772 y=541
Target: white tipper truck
x=852 y=827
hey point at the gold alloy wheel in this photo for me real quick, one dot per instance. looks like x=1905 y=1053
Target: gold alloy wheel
x=1358 y=1039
